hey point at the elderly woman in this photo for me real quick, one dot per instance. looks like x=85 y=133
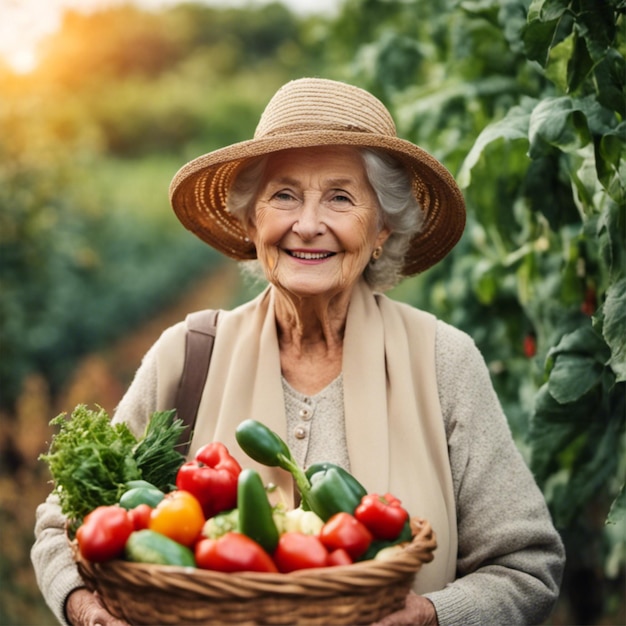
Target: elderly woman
x=335 y=208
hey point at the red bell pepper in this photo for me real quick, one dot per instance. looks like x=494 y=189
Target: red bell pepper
x=103 y=533
x=384 y=516
x=212 y=478
x=343 y=530
x=233 y=552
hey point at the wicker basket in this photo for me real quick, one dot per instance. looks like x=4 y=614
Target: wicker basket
x=361 y=593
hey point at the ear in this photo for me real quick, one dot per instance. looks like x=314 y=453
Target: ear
x=382 y=236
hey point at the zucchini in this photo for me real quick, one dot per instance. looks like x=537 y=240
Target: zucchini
x=255 y=511
x=148 y=546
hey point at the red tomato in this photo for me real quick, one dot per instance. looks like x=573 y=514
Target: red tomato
x=343 y=530
x=298 y=551
x=233 y=552
x=140 y=516
x=339 y=557
x=530 y=346
x=103 y=533
x=178 y=516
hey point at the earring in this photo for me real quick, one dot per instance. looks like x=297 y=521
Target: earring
x=377 y=252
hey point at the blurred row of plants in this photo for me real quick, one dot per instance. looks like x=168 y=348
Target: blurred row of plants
x=523 y=100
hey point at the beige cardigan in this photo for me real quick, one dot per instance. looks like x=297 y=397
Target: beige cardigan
x=394 y=427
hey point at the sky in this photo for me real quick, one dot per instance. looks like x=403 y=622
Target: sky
x=24 y=22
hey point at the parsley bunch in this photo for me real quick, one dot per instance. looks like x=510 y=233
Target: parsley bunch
x=91 y=459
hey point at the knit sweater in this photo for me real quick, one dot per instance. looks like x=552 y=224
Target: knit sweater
x=510 y=557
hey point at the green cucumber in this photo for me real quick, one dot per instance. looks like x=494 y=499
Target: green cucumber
x=147 y=546
x=256 y=518
x=132 y=484
x=141 y=495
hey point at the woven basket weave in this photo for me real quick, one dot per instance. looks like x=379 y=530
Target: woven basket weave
x=361 y=593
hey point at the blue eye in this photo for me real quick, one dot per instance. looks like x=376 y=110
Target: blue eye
x=283 y=195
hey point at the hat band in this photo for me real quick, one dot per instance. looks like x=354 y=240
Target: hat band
x=303 y=128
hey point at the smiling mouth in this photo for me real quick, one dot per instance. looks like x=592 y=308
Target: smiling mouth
x=309 y=256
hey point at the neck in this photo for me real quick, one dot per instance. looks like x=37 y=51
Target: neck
x=305 y=322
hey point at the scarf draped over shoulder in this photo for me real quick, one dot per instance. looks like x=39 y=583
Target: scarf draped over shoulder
x=394 y=427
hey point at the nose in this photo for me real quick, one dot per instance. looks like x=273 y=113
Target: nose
x=309 y=222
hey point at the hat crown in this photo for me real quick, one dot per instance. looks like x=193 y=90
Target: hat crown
x=310 y=104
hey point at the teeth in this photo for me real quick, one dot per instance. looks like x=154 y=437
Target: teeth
x=311 y=255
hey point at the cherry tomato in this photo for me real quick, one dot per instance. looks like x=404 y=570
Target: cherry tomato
x=298 y=551
x=233 y=552
x=343 y=530
x=178 y=516
x=140 y=516
x=103 y=533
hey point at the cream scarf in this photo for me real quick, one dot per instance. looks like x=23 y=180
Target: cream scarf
x=394 y=427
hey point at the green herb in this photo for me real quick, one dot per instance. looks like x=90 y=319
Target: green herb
x=156 y=455
x=92 y=460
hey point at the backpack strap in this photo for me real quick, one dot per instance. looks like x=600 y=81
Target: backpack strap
x=200 y=337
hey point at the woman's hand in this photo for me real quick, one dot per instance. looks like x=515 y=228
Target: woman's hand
x=418 y=611
x=83 y=608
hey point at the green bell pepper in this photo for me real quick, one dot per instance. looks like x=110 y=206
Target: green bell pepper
x=325 y=488
x=333 y=490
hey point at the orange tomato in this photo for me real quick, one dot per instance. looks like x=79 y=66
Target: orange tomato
x=178 y=516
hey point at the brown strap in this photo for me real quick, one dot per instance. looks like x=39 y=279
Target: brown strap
x=201 y=329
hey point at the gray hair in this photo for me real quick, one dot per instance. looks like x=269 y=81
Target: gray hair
x=400 y=212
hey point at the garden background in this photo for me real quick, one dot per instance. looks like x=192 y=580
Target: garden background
x=524 y=101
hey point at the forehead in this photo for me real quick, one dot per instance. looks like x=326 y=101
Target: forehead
x=325 y=161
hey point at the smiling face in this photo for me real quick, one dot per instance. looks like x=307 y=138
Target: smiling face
x=316 y=220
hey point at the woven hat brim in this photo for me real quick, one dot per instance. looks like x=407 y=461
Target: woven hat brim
x=198 y=192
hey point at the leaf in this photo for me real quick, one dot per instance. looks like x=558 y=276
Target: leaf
x=557 y=122
x=614 y=327
x=579 y=360
x=610 y=78
x=558 y=62
x=617 y=512
x=512 y=127
x=549 y=23
x=610 y=154
x=572 y=376
x=596 y=23
x=593 y=464
x=579 y=65
x=553 y=427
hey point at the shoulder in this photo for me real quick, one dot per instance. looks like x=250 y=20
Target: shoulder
x=454 y=346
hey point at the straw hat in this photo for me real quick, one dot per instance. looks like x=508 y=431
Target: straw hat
x=318 y=112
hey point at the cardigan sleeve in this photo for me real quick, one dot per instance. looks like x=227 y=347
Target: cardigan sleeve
x=55 y=570
x=510 y=557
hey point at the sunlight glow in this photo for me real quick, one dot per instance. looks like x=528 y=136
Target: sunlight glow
x=23 y=23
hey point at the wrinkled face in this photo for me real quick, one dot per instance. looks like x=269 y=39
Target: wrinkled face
x=316 y=220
